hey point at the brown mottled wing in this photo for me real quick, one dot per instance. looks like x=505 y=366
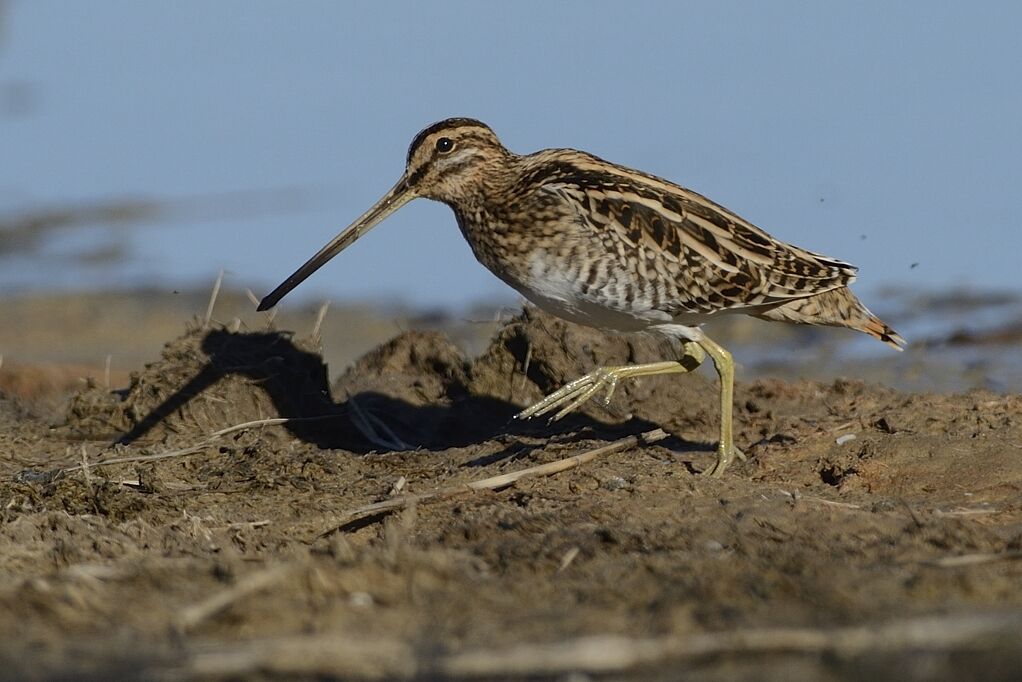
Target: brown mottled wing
x=714 y=259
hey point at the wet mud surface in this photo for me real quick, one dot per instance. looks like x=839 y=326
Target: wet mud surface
x=872 y=533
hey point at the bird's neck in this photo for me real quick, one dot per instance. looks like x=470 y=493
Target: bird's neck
x=482 y=207
x=489 y=231
x=496 y=223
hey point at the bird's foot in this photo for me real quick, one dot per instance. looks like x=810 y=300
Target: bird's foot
x=725 y=455
x=575 y=393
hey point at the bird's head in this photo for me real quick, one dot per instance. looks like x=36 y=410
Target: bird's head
x=454 y=161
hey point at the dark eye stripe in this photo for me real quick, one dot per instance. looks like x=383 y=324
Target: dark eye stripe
x=414 y=178
x=452 y=124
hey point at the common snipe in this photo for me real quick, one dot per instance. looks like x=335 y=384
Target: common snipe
x=613 y=248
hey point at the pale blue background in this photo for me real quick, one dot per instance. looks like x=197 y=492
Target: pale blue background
x=882 y=133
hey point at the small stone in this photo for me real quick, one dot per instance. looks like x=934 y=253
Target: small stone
x=360 y=599
x=615 y=483
x=845 y=438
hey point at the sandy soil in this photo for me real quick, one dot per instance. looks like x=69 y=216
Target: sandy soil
x=872 y=534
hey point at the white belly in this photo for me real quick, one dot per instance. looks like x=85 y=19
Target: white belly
x=559 y=292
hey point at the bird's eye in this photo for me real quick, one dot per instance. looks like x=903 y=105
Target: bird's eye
x=444 y=145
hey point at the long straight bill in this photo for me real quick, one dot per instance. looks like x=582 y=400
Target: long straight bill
x=399 y=195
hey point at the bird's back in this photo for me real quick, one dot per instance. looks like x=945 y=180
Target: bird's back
x=677 y=251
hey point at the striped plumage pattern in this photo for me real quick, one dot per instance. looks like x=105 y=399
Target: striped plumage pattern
x=631 y=242
x=717 y=260
x=613 y=248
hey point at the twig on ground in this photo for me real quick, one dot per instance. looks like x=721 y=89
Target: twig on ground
x=212 y=299
x=398 y=486
x=320 y=316
x=612 y=653
x=525 y=370
x=796 y=497
x=198 y=613
x=973 y=559
x=142 y=458
x=391 y=436
x=911 y=512
x=496 y=482
x=966 y=512
x=346 y=655
x=249 y=524
x=364 y=421
x=86 y=474
x=198 y=447
x=303 y=656
x=568 y=557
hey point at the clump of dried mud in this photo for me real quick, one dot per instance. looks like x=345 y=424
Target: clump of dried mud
x=206 y=380
x=419 y=386
x=872 y=534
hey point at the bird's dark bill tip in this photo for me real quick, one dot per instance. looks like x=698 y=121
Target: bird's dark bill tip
x=265 y=305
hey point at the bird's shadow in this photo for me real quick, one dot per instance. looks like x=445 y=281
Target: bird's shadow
x=297 y=383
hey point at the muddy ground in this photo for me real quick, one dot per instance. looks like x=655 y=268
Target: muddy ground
x=872 y=534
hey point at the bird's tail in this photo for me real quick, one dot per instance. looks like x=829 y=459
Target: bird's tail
x=878 y=329
x=835 y=308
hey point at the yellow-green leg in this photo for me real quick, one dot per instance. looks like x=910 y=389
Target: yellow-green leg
x=573 y=394
x=725 y=365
